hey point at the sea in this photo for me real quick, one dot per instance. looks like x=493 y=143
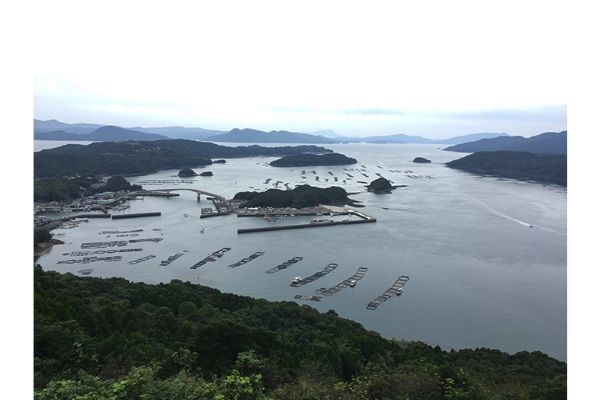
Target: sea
x=486 y=256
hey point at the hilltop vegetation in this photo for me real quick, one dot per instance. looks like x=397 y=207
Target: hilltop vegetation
x=135 y=157
x=306 y=160
x=545 y=168
x=301 y=196
x=63 y=189
x=545 y=143
x=113 y=339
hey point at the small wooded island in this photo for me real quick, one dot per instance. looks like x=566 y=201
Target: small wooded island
x=301 y=196
x=186 y=173
x=544 y=168
x=306 y=160
x=382 y=185
x=421 y=160
x=206 y=173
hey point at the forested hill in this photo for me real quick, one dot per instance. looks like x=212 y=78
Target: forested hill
x=545 y=168
x=109 y=338
x=545 y=143
x=112 y=158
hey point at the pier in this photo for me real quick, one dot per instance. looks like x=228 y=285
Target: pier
x=136 y=215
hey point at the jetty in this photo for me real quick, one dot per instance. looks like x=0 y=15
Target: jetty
x=137 y=215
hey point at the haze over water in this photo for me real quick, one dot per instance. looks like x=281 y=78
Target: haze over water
x=480 y=276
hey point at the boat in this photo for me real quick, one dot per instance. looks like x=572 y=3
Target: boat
x=296 y=281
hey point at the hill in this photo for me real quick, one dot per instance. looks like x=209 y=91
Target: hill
x=545 y=143
x=107 y=133
x=135 y=157
x=306 y=160
x=55 y=125
x=545 y=168
x=256 y=136
x=180 y=132
x=109 y=338
x=471 y=137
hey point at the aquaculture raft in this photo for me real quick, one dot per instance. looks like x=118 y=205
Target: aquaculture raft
x=211 y=257
x=349 y=282
x=396 y=290
x=247 y=259
x=303 y=281
x=172 y=258
x=139 y=260
x=284 y=265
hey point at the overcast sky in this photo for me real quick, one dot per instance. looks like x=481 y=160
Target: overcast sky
x=433 y=69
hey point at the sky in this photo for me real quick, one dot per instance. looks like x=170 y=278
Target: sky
x=435 y=69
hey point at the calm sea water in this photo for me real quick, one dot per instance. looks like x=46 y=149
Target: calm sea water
x=480 y=276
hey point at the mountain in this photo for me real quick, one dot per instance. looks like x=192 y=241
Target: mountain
x=546 y=168
x=180 y=132
x=103 y=134
x=398 y=138
x=469 y=138
x=545 y=143
x=325 y=132
x=54 y=125
x=256 y=136
x=135 y=157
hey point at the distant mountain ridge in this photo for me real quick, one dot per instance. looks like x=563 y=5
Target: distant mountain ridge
x=545 y=143
x=255 y=136
x=107 y=133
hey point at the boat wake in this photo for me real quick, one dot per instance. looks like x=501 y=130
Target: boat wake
x=500 y=214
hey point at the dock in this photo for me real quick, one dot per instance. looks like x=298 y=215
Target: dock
x=137 y=215
x=302 y=226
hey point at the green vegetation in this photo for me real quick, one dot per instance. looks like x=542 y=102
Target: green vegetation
x=41 y=236
x=64 y=189
x=186 y=172
x=304 y=160
x=545 y=168
x=545 y=143
x=301 y=196
x=113 y=339
x=135 y=157
x=380 y=185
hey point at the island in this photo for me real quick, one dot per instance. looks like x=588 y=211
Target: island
x=186 y=173
x=306 y=160
x=543 y=168
x=206 y=173
x=421 y=160
x=111 y=338
x=382 y=185
x=142 y=157
x=299 y=197
x=221 y=161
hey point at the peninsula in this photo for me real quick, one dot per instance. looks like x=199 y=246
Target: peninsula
x=543 y=168
x=140 y=157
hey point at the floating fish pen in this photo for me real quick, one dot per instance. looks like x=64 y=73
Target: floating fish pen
x=365 y=175
x=247 y=259
x=86 y=271
x=310 y=298
x=101 y=245
x=94 y=252
x=140 y=260
x=155 y=240
x=284 y=265
x=137 y=215
x=113 y=232
x=396 y=290
x=87 y=260
x=128 y=235
x=349 y=282
x=211 y=257
x=172 y=258
x=330 y=173
x=303 y=281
